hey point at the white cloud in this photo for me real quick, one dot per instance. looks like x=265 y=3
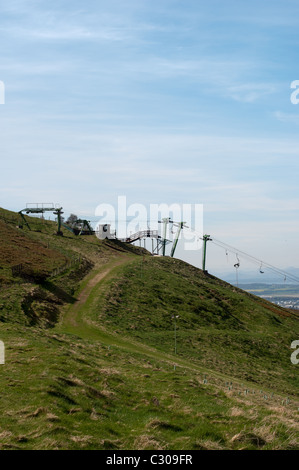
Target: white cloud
x=289 y=118
x=76 y=33
x=251 y=92
x=27 y=68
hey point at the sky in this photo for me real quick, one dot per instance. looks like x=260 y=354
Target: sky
x=165 y=101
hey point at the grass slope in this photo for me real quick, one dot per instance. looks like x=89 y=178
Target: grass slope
x=103 y=376
x=219 y=326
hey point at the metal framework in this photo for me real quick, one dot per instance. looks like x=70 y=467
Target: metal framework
x=165 y=222
x=85 y=227
x=143 y=235
x=205 y=238
x=180 y=226
x=40 y=208
x=161 y=241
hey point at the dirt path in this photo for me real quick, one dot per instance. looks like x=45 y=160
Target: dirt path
x=72 y=315
x=75 y=321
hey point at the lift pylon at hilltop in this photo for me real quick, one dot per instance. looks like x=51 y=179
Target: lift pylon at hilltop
x=41 y=208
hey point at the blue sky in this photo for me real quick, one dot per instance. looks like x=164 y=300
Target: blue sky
x=164 y=102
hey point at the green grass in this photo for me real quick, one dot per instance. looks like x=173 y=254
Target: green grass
x=62 y=392
x=90 y=360
x=218 y=327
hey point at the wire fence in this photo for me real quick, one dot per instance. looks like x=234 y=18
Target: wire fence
x=21 y=270
x=33 y=221
x=73 y=263
x=9 y=220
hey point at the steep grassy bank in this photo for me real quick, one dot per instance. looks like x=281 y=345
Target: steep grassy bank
x=218 y=326
x=40 y=271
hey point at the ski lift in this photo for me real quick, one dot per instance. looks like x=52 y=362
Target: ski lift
x=237 y=265
x=261 y=271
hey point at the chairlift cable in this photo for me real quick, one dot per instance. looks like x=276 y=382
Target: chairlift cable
x=255 y=260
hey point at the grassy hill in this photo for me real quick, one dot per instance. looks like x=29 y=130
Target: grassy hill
x=219 y=326
x=90 y=351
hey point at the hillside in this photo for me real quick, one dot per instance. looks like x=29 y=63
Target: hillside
x=219 y=326
x=94 y=359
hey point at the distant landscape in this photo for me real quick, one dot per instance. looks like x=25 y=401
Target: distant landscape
x=284 y=295
x=255 y=277
x=270 y=288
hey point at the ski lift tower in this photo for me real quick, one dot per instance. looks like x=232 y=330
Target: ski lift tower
x=41 y=208
x=205 y=238
x=165 y=222
x=180 y=226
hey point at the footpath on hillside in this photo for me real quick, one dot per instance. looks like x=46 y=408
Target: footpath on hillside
x=76 y=321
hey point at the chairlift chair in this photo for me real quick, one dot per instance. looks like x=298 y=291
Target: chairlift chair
x=237 y=265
